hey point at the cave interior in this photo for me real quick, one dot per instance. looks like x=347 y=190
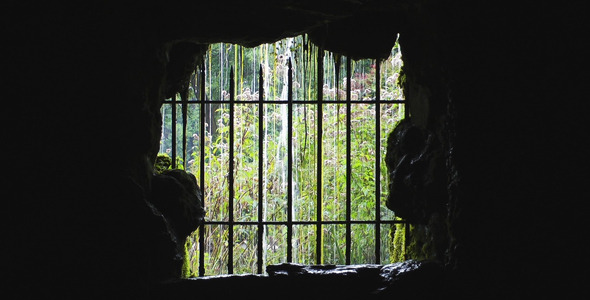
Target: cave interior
x=494 y=96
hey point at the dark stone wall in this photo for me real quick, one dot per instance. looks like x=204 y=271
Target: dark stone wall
x=496 y=85
x=484 y=79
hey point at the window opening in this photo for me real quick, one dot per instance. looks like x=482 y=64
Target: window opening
x=287 y=141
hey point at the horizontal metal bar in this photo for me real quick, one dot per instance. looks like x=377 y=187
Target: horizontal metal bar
x=294 y=101
x=302 y=222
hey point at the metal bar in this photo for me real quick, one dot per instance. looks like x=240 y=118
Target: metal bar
x=230 y=268
x=319 y=160
x=326 y=101
x=348 y=162
x=260 y=170
x=337 y=222
x=290 y=162
x=337 y=77
x=173 y=137
x=377 y=161
x=184 y=105
x=202 y=167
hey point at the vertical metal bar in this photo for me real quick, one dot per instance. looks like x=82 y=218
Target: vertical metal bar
x=202 y=168
x=348 y=162
x=184 y=99
x=173 y=144
x=319 y=160
x=290 y=163
x=260 y=169
x=377 y=161
x=230 y=267
x=337 y=61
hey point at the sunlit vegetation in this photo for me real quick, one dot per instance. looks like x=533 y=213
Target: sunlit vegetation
x=273 y=60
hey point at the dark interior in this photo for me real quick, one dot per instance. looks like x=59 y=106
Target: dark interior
x=496 y=99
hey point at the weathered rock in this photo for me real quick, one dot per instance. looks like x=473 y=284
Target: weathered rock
x=298 y=281
x=417 y=185
x=176 y=194
x=328 y=281
x=292 y=269
x=404 y=279
x=184 y=57
x=374 y=30
x=412 y=280
x=418 y=189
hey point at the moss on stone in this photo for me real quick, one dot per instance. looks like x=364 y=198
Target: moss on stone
x=398 y=239
x=163 y=163
x=186 y=267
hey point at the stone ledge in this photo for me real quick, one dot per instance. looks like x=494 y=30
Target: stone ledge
x=296 y=281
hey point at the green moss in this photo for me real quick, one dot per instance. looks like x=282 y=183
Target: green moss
x=163 y=163
x=397 y=247
x=420 y=244
x=186 y=264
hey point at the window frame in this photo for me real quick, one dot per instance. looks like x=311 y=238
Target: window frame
x=290 y=222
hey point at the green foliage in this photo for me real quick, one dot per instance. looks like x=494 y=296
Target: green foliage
x=246 y=125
